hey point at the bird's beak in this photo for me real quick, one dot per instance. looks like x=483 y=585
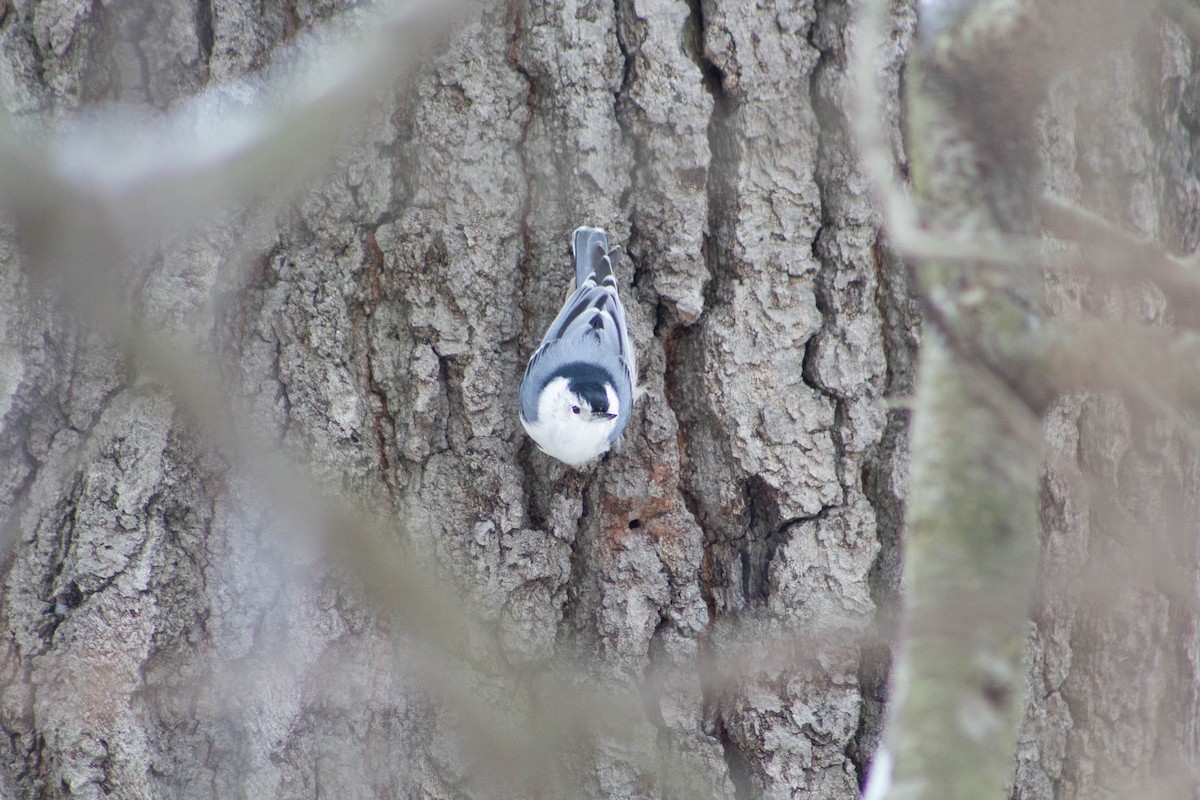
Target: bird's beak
x=603 y=415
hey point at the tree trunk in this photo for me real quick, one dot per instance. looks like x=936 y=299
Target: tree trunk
x=725 y=582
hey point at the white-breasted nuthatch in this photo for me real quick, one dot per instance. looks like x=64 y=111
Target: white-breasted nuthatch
x=577 y=393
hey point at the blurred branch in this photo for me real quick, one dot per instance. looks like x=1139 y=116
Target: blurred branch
x=146 y=176
x=1088 y=355
x=975 y=78
x=1111 y=251
x=908 y=234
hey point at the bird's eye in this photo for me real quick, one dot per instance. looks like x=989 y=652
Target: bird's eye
x=574 y=409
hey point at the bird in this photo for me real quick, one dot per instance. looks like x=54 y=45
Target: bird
x=578 y=389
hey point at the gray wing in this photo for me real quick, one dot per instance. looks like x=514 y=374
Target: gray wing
x=594 y=309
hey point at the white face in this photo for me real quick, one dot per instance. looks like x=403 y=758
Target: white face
x=567 y=428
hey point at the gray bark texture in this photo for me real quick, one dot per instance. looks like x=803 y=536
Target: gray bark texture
x=174 y=628
x=1114 y=658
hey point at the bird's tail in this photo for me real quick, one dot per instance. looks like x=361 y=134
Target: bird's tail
x=590 y=247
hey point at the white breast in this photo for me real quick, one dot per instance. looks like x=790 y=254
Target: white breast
x=571 y=441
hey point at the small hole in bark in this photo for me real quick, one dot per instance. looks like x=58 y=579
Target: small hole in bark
x=634 y=524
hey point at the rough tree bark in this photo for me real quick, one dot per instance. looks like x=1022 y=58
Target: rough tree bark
x=173 y=631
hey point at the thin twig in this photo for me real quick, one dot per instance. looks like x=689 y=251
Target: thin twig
x=1116 y=252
